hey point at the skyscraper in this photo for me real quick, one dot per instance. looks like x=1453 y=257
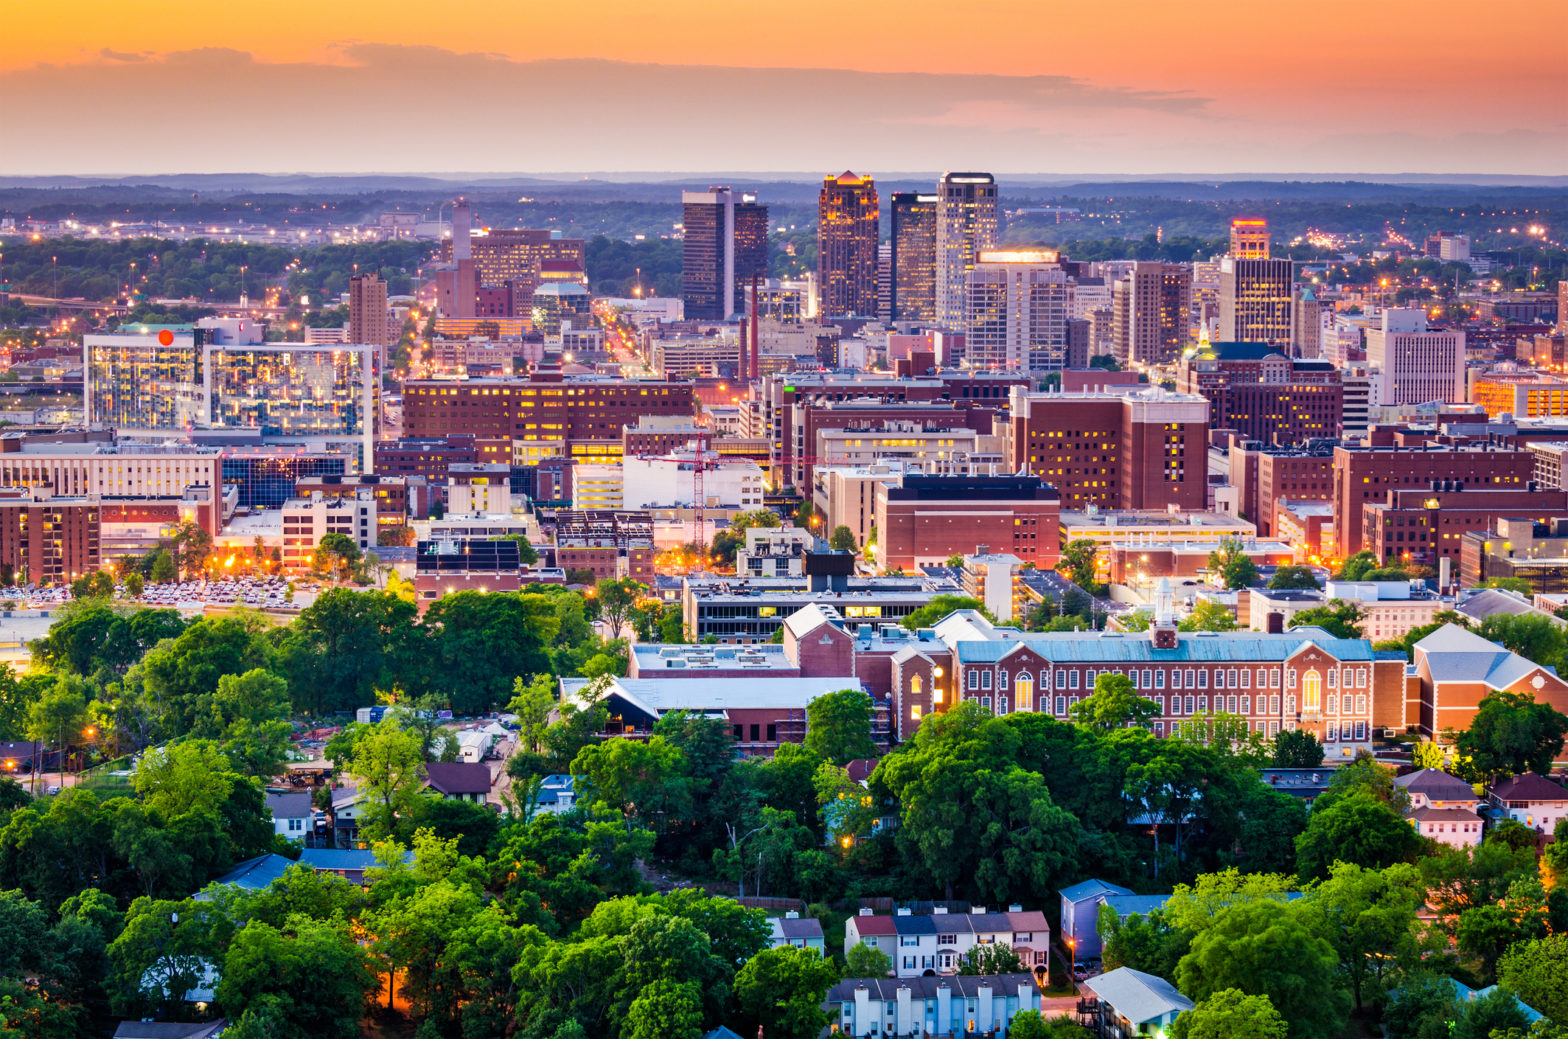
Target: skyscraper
x=847 y=234
x=1151 y=310
x=1249 y=238
x=1256 y=301
x=1016 y=311
x=913 y=278
x=966 y=224
x=369 y=321
x=725 y=243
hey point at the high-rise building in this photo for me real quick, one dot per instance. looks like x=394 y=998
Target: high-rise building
x=1264 y=395
x=1137 y=449
x=1249 y=238
x=885 y=282
x=847 y=233
x=369 y=320
x=1151 y=309
x=966 y=225
x=913 y=276
x=1412 y=365
x=1015 y=311
x=1256 y=301
x=725 y=242
x=1562 y=304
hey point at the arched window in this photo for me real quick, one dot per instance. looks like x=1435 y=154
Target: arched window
x=916 y=687
x=1312 y=691
x=1023 y=691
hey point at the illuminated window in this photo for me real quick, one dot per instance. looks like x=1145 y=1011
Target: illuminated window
x=1312 y=691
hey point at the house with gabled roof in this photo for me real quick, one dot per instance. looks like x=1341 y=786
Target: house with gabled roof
x=935 y=942
x=930 y=1005
x=1531 y=799
x=1457 y=669
x=1129 y=1002
x=1442 y=807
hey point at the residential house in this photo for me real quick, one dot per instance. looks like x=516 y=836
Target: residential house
x=1129 y=1002
x=170 y=1029
x=292 y=815
x=1080 y=917
x=343 y=812
x=917 y=943
x=894 y=1008
x=1466 y=994
x=556 y=794
x=459 y=780
x=793 y=929
x=1442 y=807
x=1531 y=799
x=257 y=874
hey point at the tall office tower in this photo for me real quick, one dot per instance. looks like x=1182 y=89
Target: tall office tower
x=1412 y=365
x=966 y=224
x=1015 y=312
x=885 y=282
x=1306 y=337
x=1249 y=238
x=725 y=243
x=369 y=321
x=1256 y=301
x=913 y=234
x=847 y=233
x=1562 y=304
x=1205 y=296
x=1151 y=311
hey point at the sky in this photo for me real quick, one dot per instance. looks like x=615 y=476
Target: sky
x=1011 y=86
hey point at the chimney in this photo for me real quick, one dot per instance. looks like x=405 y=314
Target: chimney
x=1275 y=623
x=867 y=912
x=462 y=230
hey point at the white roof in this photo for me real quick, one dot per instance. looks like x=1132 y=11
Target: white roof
x=1137 y=996
x=655 y=696
x=1457 y=654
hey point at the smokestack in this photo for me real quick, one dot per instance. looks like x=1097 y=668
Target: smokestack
x=755 y=371
x=462 y=230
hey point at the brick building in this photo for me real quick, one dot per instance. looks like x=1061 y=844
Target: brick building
x=1513 y=547
x=926 y=519
x=1423 y=526
x=50 y=540
x=543 y=407
x=1265 y=476
x=1142 y=449
x=1364 y=475
x=1263 y=395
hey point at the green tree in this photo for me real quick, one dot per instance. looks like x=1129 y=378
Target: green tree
x=1289 y=577
x=867 y=961
x=1369 y=916
x=1297 y=748
x=1029 y=1024
x=940 y=606
x=59 y=717
x=1356 y=567
x=162 y=570
x=1208 y=615
x=337 y=555
x=346 y=645
x=665 y=1009
x=479 y=643
x=1078 y=563
x=1537 y=972
x=1114 y=704
x=631 y=777
x=1230 y=1014
x=781 y=990
x=990 y=958
x=247 y=715
x=838 y=726
x=1260 y=949
x=1235 y=567
x=532 y=702
x=1511 y=734
x=1537 y=637
x=162 y=952
x=194 y=776
x=1229 y=735
x=1358 y=829
x=615 y=599
x=1340 y=618
x=310 y=978
x=842 y=539
x=388 y=766
x=1426 y=754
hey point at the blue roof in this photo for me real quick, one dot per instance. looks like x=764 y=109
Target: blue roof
x=913 y=925
x=721 y=1033
x=254 y=874
x=337 y=859
x=1093 y=647
x=1126 y=905
x=1090 y=888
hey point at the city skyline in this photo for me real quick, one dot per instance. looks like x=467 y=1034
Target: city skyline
x=1165 y=92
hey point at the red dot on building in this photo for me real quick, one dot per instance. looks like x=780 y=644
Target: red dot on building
x=166 y=337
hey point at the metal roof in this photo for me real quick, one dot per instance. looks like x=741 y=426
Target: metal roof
x=1137 y=996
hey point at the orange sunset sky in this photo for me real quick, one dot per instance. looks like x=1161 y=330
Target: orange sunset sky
x=1021 y=86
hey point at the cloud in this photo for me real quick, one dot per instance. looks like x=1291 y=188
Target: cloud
x=390 y=108
x=126 y=56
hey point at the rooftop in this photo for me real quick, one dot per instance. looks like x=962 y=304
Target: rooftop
x=717 y=696
x=1137 y=996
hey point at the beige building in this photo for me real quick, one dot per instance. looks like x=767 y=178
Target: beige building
x=847 y=495
x=369 y=319
x=307 y=520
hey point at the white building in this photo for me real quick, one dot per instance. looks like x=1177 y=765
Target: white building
x=773 y=552
x=1411 y=364
x=307 y=520
x=653 y=482
x=895 y=439
x=1015 y=310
